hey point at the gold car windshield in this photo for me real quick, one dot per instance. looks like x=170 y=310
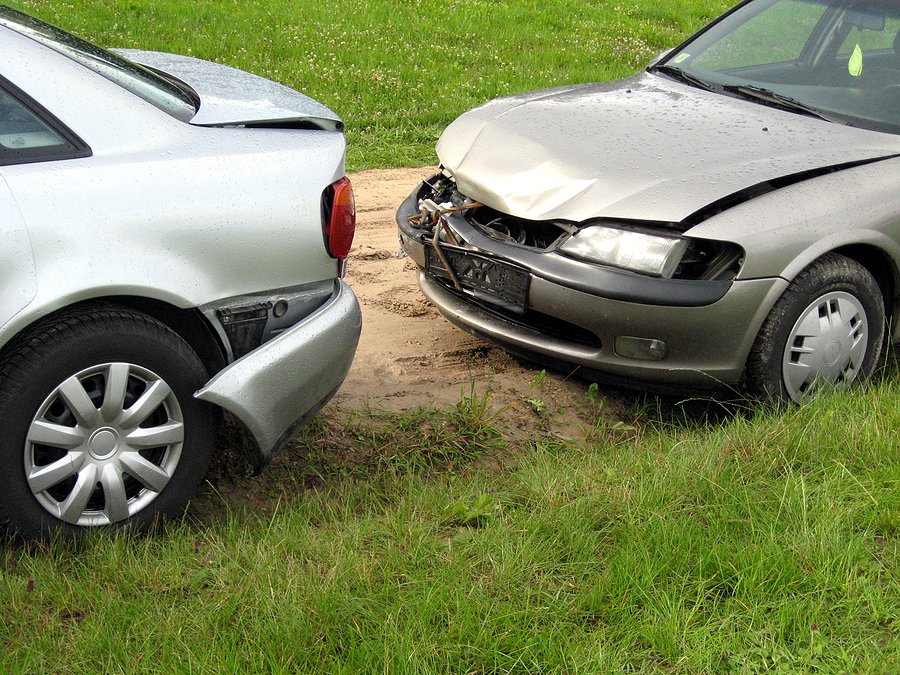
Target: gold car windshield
x=836 y=59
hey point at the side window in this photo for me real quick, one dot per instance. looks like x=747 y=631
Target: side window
x=30 y=134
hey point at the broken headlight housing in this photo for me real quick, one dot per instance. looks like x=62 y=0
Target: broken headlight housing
x=656 y=254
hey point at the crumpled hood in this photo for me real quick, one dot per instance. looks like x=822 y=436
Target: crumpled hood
x=643 y=148
x=232 y=96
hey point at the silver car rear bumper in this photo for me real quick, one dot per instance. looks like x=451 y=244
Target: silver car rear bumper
x=278 y=386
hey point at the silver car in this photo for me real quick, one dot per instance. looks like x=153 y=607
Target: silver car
x=174 y=237
x=727 y=218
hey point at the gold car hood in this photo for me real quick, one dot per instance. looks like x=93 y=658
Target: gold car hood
x=645 y=148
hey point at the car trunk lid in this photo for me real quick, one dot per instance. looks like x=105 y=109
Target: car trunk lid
x=229 y=96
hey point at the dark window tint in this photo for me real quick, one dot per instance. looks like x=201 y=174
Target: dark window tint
x=29 y=134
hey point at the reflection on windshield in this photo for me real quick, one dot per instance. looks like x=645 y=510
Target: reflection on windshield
x=138 y=80
x=839 y=59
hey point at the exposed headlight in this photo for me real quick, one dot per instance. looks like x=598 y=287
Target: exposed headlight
x=655 y=254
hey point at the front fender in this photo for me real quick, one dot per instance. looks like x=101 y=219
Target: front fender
x=783 y=231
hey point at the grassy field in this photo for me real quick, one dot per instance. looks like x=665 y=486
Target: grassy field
x=397 y=71
x=720 y=541
x=684 y=539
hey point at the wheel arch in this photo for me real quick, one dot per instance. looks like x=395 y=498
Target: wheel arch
x=876 y=253
x=882 y=268
x=189 y=324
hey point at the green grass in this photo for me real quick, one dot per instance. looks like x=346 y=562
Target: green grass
x=671 y=542
x=397 y=71
x=766 y=542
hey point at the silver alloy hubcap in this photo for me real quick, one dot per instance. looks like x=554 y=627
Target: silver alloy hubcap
x=826 y=346
x=104 y=444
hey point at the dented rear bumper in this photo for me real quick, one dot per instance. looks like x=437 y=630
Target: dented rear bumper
x=281 y=384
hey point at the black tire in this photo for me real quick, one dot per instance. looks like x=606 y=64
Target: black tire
x=826 y=330
x=99 y=424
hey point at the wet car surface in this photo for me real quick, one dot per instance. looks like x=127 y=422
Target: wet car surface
x=726 y=219
x=175 y=234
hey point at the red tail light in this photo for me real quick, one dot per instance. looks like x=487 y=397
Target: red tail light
x=339 y=211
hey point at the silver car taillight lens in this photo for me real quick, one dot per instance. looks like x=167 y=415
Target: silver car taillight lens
x=339 y=215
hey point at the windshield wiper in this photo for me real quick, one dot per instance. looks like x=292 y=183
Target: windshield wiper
x=769 y=97
x=683 y=76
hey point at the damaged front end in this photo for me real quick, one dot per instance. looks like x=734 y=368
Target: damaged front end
x=491 y=255
x=569 y=291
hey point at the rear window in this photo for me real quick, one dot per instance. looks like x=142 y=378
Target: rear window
x=30 y=134
x=169 y=97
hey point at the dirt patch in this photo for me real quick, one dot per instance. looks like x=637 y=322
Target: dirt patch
x=411 y=356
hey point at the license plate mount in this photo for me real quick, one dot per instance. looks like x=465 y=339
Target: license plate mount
x=485 y=276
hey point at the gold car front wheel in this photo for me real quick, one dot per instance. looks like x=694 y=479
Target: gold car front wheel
x=826 y=331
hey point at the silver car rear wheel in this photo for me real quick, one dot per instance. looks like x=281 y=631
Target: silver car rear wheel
x=99 y=424
x=826 y=330
x=104 y=444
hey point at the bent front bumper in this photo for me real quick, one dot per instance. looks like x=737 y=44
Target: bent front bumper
x=277 y=387
x=592 y=316
x=707 y=346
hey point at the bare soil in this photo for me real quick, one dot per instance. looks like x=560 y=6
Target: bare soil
x=410 y=356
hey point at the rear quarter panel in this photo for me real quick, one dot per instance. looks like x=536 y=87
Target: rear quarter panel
x=18 y=282
x=163 y=209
